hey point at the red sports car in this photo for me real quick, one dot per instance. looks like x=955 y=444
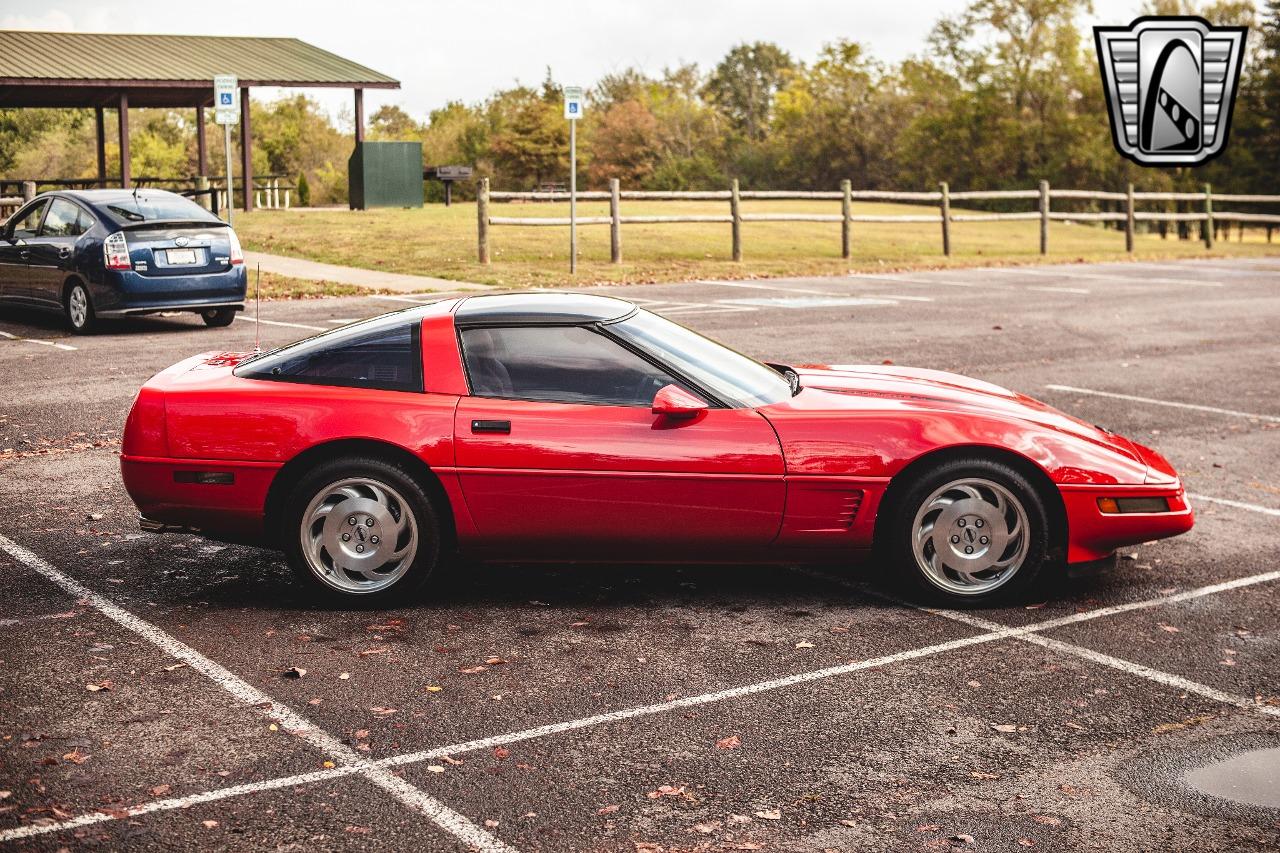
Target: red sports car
x=581 y=428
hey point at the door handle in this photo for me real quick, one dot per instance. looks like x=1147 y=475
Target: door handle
x=64 y=253
x=503 y=427
x=24 y=254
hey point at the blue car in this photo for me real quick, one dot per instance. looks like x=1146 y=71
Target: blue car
x=96 y=254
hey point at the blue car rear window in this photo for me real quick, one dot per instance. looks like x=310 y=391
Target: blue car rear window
x=146 y=208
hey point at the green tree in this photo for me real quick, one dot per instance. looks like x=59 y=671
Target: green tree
x=744 y=84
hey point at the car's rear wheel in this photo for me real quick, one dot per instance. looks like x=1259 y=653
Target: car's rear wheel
x=218 y=317
x=78 y=309
x=361 y=531
x=970 y=532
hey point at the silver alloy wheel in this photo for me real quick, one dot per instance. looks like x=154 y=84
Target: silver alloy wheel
x=78 y=306
x=970 y=536
x=359 y=535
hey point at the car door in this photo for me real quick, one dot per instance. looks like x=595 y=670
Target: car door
x=559 y=454
x=15 y=250
x=52 y=252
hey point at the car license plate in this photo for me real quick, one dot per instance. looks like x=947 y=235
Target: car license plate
x=181 y=256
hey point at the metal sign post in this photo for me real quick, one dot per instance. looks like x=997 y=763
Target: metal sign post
x=573 y=112
x=226 y=112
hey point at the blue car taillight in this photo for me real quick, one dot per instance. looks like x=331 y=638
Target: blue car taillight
x=115 y=252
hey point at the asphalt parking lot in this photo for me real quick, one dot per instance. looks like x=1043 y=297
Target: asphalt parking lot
x=145 y=701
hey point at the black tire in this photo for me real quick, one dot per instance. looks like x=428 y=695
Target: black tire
x=218 y=317
x=1030 y=575
x=381 y=472
x=77 y=309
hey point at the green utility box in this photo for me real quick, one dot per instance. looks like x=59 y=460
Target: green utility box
x=385 y=174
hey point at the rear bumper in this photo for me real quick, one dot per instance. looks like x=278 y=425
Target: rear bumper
x=126 y=292
x=1095 y=535
x=171 y=500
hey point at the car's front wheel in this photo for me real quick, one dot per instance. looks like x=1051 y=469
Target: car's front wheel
x=970 y=532
x=218 y=317
x=362 y=531
x=78 y=309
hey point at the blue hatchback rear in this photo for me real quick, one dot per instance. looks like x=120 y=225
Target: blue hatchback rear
x=112 y=253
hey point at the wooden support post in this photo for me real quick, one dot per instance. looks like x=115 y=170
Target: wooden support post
x=202 y=151
x=482 y=220
x=1129 y=221
x=846 y=222
x=101 y=123
x=359 y=116
x=126 y=170
x=28 y=191
x=735 y=212
x=1208 y=217
x=1044 y=217
x=205 y=201
x=615 y=221
x=246 y=149
x=946 y=218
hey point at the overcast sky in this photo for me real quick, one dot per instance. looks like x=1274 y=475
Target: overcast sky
x=443 y=50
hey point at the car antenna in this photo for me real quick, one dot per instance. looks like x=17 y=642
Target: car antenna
x=257 y=300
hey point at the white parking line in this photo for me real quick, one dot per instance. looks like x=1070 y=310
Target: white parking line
x=1193 y=406
x=54 y=344
x=1114 y=279
x=1001 y=632
x=930 y=282
x=417 y=800
x=288 y=325
x=1058 y=289
x=1265 y=510
x=1168 y=679
x=787 y=289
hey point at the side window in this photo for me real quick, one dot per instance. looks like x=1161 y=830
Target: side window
x=558 y=364
x=375 y=354
x=63 y=220
x=25 y=228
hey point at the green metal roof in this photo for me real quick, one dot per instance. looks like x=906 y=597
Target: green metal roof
x=125 y=61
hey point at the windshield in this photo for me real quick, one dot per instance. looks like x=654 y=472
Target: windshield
x=150 y=207
x=729 y=375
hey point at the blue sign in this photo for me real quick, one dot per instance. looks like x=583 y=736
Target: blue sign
x=225 y=99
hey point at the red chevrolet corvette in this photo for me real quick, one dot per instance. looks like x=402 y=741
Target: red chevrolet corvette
x=581 y=428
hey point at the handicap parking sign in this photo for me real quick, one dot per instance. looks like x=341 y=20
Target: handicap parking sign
x=224 y=98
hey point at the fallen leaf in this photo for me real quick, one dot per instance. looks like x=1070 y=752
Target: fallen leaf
x=848 y=823
x=804 y=644
x=100 y=686
x=329 y=765
x=434 y=688
x=501 y=752
x=490 y=823
x=160 y=790
x=928 y=827
x=344 y=676
x=1170 y=628
x=75 y=756
x=357 y=830
x=665 y=791
x=361 y=734
x=961 y=839
x=4 y=795
x=472 y=670
x=607 y=810
x=435 y=768
x=294 y=672
x=707 y=828
x=209 y=824
x=770 y=814
x=450 y=760
x=383 y=712
x=730 y=742
x=273 y=727
x=1005 y=727
x=1047 y=819
x=175 y=666
x=494 y=661
x=1027 y=842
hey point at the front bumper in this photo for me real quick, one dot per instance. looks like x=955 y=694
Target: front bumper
x=1095 y=535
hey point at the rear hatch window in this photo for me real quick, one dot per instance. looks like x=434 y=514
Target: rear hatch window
x=131 y=209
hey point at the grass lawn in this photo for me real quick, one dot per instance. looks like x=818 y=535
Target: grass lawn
x=440 y=241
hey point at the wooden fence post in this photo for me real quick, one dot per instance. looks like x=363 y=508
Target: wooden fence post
x=28 y=191
x=1044 y=217
x=615 y=223
x=846 y=224
x=735 y=212
x=1129 y=221
x=1208 y=217
x=946 y=219
x=482 y=220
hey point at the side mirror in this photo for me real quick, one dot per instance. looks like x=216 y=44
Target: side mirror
x=675 y=402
